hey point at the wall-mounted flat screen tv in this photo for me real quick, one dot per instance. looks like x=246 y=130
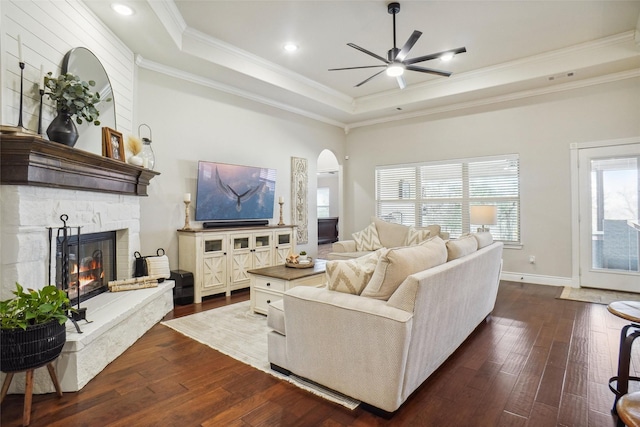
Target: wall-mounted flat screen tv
x=228 y=192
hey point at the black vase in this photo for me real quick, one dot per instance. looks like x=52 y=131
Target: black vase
x=36 y=346
x=63 y=130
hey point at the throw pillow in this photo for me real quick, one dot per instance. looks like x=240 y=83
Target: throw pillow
x=367 y=239
x=484 y=238
x=396 y=264
x=434 y=229
x=351 y=276
x=463 y=246
x=391 y=235
x=416 y=236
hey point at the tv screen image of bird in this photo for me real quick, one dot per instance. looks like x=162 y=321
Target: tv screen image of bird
x=234 y=192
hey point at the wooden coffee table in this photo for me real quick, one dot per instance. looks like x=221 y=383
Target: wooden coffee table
x=269 y=283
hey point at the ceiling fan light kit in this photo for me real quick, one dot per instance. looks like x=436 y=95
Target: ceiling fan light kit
x=395 y=70
x=395 y=63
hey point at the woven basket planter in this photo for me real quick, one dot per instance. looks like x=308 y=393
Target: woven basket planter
x=27 y=349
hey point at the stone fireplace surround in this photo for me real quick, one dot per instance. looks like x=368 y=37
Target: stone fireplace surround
x=118 y=319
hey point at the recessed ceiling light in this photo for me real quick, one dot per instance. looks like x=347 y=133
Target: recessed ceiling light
x=290 y=47
x=122 y=9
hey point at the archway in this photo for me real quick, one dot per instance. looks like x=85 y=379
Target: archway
x=328 y=196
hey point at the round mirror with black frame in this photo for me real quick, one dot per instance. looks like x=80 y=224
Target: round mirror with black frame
x=83 y=63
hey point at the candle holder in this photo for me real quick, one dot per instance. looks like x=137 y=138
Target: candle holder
x=41 y=92
x=281 y=220
x=187 y=220
x=21 y=92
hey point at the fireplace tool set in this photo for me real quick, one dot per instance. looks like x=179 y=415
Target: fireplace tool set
x=64 y=236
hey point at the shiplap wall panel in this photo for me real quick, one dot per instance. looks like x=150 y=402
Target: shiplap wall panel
x=48 y=31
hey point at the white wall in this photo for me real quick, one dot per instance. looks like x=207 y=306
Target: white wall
x=539 y=129
x=48 y=30
x=191 y=123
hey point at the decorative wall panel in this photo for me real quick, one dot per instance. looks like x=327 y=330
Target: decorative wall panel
x=299 y=206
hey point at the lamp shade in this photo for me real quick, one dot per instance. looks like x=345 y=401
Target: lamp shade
x=483 y=215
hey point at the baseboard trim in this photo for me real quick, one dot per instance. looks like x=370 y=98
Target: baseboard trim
x=536 y=279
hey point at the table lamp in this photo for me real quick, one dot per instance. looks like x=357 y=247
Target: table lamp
x=483 y=215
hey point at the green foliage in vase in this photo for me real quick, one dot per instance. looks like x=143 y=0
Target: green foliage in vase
x=31 y=307
x=74 y=97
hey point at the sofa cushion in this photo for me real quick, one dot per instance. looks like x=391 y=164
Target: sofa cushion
x=416 y=236
x=396 y=264
x=333 y=256
x=351 y=276
x=275 y=316
x=367 y=239
x=484 y=238
x=391 y=235
x=458 y=248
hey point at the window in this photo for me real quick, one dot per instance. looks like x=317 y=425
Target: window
x=441 y=193
x=323 y=202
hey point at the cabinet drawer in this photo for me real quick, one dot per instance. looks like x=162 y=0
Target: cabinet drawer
x=270 y=283
x=263 y=299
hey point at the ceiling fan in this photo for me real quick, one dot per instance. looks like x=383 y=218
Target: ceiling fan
x=396 y=64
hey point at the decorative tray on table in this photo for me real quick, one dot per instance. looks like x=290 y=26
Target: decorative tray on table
x=300 y=264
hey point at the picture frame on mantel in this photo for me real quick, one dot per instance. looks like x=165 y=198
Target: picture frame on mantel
x=112 y=144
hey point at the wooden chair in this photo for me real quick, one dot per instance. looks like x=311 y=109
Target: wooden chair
x=628 y=407
x=28 y=389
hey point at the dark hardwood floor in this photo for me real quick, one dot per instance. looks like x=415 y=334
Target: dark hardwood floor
x=540 y=361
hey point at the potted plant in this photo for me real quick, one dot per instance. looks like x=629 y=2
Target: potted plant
x=32 y=327
x=303 y=255
x=73 y=97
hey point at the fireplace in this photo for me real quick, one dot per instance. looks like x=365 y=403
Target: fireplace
x=85 y=264
x=39 y=182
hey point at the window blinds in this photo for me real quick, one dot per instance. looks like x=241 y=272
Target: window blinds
x=442 y=192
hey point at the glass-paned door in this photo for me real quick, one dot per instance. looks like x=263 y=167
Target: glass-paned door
x=609 y=217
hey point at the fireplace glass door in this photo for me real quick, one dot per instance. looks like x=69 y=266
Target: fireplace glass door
x=91 y=265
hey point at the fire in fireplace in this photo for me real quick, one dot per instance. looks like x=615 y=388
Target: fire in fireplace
x=91 y=265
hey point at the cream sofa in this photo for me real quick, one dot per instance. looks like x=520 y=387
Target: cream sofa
x=390 y=235
x=379 y=351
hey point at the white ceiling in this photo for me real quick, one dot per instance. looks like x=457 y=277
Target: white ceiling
x=513 y=47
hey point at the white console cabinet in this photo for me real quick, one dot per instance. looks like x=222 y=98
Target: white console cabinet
x=219 y=258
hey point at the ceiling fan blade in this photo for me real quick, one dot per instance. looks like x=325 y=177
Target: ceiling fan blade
x=401 y=82
x=363 y=50
x=364 y=81
x=408 y=45
x=428 y=70
x=434 y=55
x=356 y=68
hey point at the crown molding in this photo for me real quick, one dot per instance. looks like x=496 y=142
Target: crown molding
x=265 y=64
x=502 y=98
x=206 y=47
x=203 y=81
x=542 y=65
x=175 y=73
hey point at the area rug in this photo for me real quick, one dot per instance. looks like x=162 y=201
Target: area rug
x=242 y=334
x=597 y=296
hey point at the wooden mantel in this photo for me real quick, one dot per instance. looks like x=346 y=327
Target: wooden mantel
x=31 y=160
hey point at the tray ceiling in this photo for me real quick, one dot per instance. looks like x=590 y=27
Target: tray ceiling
x=514 y=49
